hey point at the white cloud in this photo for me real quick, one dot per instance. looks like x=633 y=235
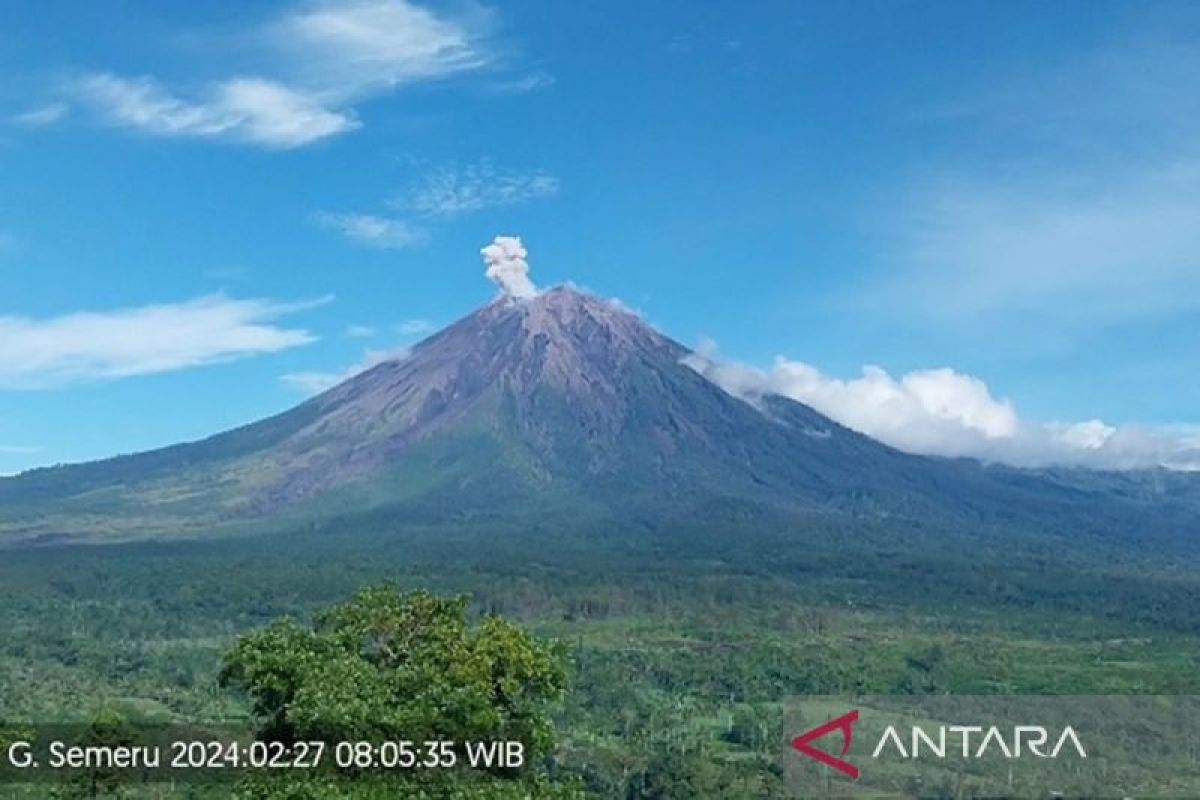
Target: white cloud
x=385 y=233
x=142 y=103
x=272 y=114
x=460 y=189
x=366 y=46
x=414 y=327
x=43 y=115
x=946 y=413
x=1064 y=213
x=96 y=345
x=360 y=331
x=322 y=59
x=317 y=382
x=247 y=109
x=1090 y=435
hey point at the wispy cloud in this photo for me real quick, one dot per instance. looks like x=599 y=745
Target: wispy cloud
x=246 y=109
x=316 y=382
x=41 y=116
x=385 y=233
x=439 y=195
x=1070 y=251
x=352 y=48
x=98 y=345
x=415 y=327
x=1076 y=208
x=533 y=82
x=948 y=413
x=324 y=57
x=454 y=190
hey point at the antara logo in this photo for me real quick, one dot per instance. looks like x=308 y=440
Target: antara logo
x=969 y=741
x=845 y=724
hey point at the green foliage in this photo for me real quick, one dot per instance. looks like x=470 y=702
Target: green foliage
x=758 y=728
x=375 y=787
x=389 y=667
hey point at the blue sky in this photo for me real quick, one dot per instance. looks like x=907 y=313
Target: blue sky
x=208 y=210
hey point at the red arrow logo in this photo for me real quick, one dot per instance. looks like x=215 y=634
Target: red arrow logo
x=845 y=724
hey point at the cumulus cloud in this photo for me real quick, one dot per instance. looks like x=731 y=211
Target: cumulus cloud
x=385 y=233
x=507 y=267
x=946 y=413
x=460 y=189
x=40 y=353
x=323 y=59
x=316 y=382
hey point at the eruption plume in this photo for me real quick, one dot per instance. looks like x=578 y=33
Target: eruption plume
x=507 y=268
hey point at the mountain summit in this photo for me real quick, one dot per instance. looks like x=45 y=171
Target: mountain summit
x=550 y=405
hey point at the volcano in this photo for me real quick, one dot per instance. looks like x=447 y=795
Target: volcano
x=562 y=405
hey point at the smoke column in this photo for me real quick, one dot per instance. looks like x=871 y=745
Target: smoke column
x=507 y=268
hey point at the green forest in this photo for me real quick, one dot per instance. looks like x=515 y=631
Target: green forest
x=638 y=667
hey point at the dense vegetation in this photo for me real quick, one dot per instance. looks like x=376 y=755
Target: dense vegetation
x=407 y=670
x=676 y=665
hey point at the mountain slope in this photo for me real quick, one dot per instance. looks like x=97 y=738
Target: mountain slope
x=561 y=404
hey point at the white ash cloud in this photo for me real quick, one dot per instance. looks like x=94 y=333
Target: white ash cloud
x=507 y=267
x=942 y=412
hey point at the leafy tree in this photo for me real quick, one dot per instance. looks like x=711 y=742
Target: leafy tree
x=391 y=667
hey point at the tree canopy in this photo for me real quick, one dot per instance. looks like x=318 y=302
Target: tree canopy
x=391 y=667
